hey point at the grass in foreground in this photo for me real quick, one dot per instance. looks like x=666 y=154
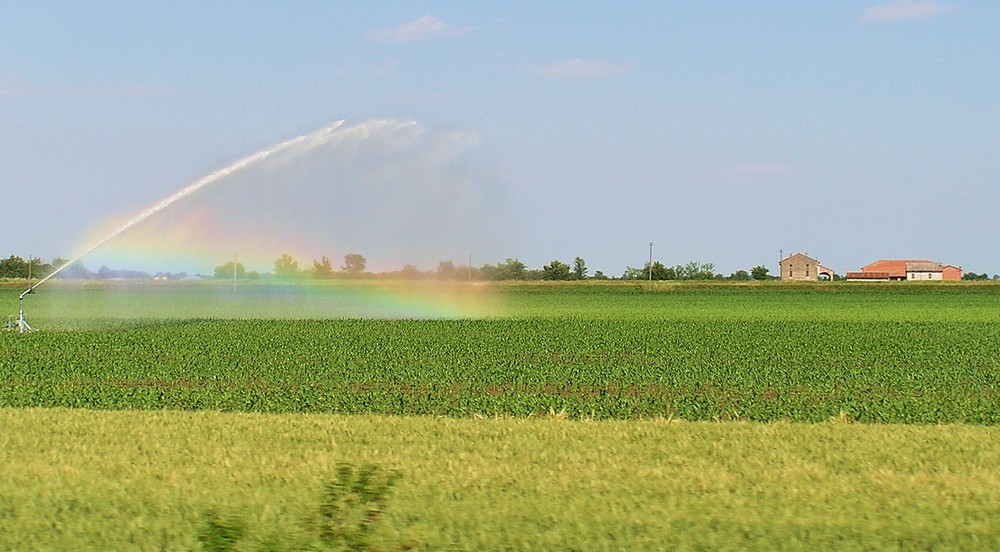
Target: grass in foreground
x=148 y=480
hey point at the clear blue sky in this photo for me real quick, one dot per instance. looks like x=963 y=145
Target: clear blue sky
x=723 y=132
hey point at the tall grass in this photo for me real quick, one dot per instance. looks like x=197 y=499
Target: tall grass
x=76 y=480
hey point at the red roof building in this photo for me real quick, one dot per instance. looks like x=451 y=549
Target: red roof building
x=907 y=269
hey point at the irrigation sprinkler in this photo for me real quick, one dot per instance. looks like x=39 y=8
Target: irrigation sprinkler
x=22 y=322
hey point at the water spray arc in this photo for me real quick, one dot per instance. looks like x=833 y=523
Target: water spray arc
x=184 y=192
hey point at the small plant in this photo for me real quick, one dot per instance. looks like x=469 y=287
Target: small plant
x=219 y=535
x=351 y=506
x=353 y=503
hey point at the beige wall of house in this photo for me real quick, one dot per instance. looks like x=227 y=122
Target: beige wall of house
x=802 y=267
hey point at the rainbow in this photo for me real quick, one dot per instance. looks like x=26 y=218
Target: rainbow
x=388 y=189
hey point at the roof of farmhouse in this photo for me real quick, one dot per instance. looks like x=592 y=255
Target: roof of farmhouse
x=924 y=267
x=894 y=267
x=802 y=255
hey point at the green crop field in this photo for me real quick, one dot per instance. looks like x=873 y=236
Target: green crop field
x=923 y=354
x=589 y=416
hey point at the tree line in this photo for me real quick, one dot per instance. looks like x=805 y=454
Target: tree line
x=33 y=267
x=355 y=265
x=982 y=276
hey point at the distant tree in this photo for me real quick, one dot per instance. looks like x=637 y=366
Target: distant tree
x=446 y=271
x=556 y=270
x=225 y=272
x=633 y=273
x=658 y=271
x=13 y=267
x=410 y=272
x=655 y=272
x=695 y=271
x=75 y=271
x=286 y=267
x=107 y=273
x=760 y=272
x=449 y=271
x=489 y=272
x=579 y=269
x=740 y=276
x=354 y=264
x=598 y=275
x=661 y=272
x=512 y=269
x=323 y=268
x=37 y=268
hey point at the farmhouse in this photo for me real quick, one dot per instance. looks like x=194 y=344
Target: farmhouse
x=803 y=267
x=906 y=270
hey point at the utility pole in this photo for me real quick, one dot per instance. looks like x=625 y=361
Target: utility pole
x=650 y=261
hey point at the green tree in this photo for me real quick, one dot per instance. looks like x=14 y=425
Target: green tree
x=657 y=272
x=489 y=272
x=286 y=267
x=323 y=268
x=512 y=269
x=556 y=270
x=633 y=273
x=740 y=276
x=760 y=272
x=579 y=269
x=38 y=269
x=13 y=267
x=661 y=272
x=695 y=271
x=225 y=271
x=354 y=264
x=446 y=270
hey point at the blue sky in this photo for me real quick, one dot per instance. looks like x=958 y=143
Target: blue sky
x=722 y=132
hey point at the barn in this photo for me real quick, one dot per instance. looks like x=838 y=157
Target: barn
x=906 y=270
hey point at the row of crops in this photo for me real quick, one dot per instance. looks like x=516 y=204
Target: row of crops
x=923 y=362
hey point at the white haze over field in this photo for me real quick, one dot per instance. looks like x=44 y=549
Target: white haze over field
x=393 y=191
